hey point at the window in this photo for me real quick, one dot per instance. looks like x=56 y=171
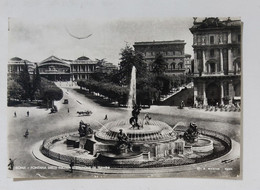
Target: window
x=211 y=39
x=212 y=53
x=239 y=38
x=177 y=52
x=225 y=37
x=199 y=40
x=169 y=53
x=199 y=54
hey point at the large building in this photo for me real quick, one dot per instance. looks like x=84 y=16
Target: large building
x=172 y=51
x=16 y=65
x=82 y=67
x=57 y=69
x=217 y=61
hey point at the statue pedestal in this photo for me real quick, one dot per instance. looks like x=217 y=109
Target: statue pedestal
x=122 y=149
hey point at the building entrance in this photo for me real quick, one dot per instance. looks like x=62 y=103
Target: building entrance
x=213 y=94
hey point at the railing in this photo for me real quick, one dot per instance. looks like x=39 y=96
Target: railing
x=54 y=72
x=82 y=71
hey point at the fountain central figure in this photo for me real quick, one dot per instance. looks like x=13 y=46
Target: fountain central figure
x=134 y=119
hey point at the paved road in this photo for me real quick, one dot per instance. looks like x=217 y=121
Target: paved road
x=41 y=124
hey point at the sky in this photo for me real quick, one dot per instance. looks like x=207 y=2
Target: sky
x=37 y=39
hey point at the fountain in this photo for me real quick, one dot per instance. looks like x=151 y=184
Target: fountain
x=132 y=92
x=139 y=142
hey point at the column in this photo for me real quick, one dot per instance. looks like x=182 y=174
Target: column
x=230 y=64
x=196 y=71
x=221 y=60
x=231 y=91
x=195 y=94
x=204 y=61
x=205 y=102
x=221 y=93
x=229 y=37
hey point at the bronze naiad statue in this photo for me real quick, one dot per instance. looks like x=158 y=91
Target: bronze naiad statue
x=191 y=134
x=134 y=119
x=123 y=141
x=84 y=129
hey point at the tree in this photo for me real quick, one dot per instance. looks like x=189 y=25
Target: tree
x=159 y=65
x=14 y=90
x=24 y=81
x=36 y=88
x=50 y=91
x=130 y=58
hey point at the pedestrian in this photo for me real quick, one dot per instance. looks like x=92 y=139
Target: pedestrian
x=68 y=110
x=26 y=134
x=15 y=114
x=71 y=166
x=11 y=164
x=28 y=113
x=106 y=118
x=182 y=105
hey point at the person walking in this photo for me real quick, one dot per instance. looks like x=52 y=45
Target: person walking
x=68 y=110
x=28 y=113
x=11 y=164
x=26 y=134
x=71 y=166
x=106 y=118
x=15 y=114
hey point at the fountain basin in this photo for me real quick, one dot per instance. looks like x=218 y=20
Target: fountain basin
x=155 y=131
x=202 y=145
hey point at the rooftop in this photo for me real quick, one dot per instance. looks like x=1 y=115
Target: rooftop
x=54 y=59
x=160 y=42
x=83 y=58
x=215 y=23
x=16 y=59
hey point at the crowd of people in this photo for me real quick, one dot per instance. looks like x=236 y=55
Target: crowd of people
x=227 y=108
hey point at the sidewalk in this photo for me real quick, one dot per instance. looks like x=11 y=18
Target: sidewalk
x=172 y=110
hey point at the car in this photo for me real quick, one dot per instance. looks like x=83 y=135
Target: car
x=66 y=101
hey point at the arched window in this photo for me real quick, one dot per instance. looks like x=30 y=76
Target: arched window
x=173 y=66
x=180 y=65
x=237 y=66
x=211 y=67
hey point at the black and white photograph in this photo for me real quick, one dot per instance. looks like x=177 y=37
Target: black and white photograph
x=114 y=94
x=125 y=98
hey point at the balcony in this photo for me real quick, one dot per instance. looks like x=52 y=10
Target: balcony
x=54 y=71
x=82 y=71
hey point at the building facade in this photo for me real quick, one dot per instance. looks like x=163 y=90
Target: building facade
x=56 y=69
x=172 y=51
x=82 y=68
x=217 y=61
x=16 y=65
x=106 y=67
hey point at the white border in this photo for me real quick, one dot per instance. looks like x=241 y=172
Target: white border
x=249 y=12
